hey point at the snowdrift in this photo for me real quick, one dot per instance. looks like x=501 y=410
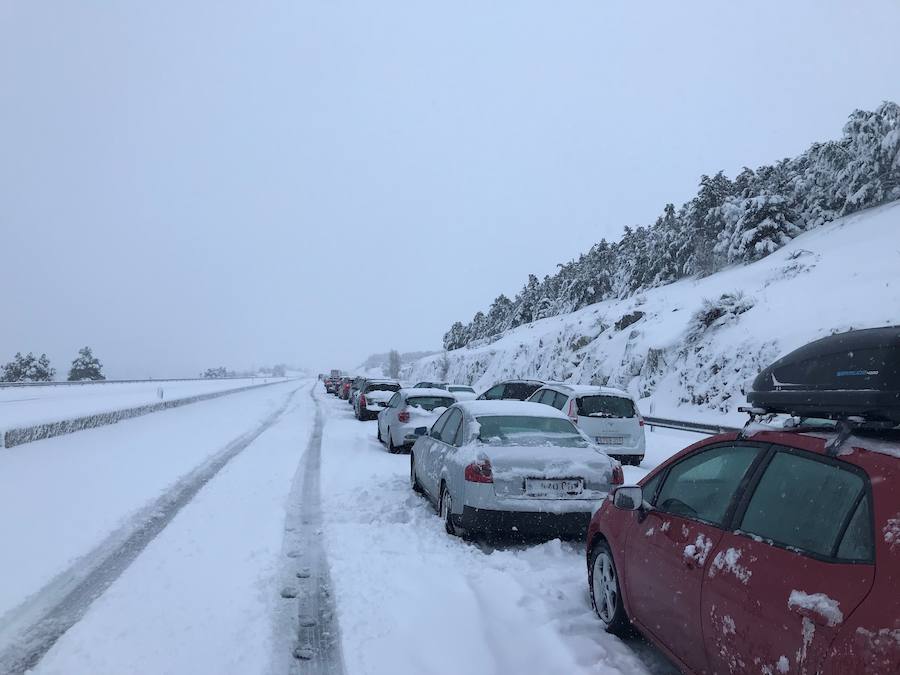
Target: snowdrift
x=691 y=349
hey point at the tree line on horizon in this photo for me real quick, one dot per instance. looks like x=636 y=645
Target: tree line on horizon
x=31 y=368
x=729 y=221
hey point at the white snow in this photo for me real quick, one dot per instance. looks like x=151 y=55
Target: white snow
x=699 y=550
x=402 y=585
x=783 y=664
x=891 y=532
x=818 y=603
x=836 y=277
x=79 y=488
x=728 y=560
x=202 y=596
x=25 y=406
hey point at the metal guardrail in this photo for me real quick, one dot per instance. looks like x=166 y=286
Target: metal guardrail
x=4 y=385
x=681 y=425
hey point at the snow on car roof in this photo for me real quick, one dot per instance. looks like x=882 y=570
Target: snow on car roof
x=587 y=390
x=523 y=408
x=426 y=391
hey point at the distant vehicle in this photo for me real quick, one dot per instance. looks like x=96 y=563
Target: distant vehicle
x=330 y=385
x=355 y=386
x=343 y=389
x=462 y=392
x=513 y=390
x=373 y=398
x=777 y=546
x=608 y=416
x=430 y=385
x=511 y=469
x=336 y=373
x=408 y=410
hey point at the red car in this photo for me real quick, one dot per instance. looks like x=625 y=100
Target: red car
x=767 y=551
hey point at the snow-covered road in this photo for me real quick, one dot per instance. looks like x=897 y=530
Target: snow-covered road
x=204 y=593
x=412 y=599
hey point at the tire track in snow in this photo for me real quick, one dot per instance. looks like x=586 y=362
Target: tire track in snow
x=35 y=626
x=309 y=638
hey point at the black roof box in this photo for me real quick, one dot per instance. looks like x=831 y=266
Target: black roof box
x=850 y=374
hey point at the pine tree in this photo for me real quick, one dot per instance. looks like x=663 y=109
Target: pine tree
x=86 y=367
x=27 y=369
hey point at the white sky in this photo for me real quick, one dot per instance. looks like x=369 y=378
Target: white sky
x=188 y=184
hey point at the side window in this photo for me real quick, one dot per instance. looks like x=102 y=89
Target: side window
x=559 y=400
x=395 y=401
x=703 y=485
x=649 y=488
x=494 y=393
x=458 y=439
x=857 y=543
x=448 y=433
x=520 y=390
x=544 y=396
x=438 y=426
x=805 y=503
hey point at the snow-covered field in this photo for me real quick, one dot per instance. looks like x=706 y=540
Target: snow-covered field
x=27 y=405
x=842 y=275
x=412 y=599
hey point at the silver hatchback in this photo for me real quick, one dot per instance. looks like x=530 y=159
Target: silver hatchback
x=511 y=468
x=608 y=416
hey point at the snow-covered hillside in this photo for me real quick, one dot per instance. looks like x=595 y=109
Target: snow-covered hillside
x=691 y=349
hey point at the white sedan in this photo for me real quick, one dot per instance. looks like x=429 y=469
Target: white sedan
x=511 y=468
x=408 y=410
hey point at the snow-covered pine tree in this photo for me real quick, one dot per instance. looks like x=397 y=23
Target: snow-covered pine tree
x=86 y=366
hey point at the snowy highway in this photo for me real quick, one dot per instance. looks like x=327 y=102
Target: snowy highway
x=191 y=541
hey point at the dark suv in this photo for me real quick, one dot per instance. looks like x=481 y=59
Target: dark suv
x=512 y=390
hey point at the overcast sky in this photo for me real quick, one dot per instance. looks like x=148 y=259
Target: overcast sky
x=188 y=184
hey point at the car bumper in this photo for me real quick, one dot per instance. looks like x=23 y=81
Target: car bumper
x=536 y=524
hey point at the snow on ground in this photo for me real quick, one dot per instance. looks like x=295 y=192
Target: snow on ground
x=61 y=496
x=27 y=405
x=412 y=599
x=202 y=596
x=842 y=275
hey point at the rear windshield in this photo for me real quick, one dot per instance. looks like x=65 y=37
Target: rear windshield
x=468 y=389
x=383 y=386
x=605 y=406
x=526 y=430
x=429 y=403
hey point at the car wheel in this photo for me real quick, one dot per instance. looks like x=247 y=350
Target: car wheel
x=446 y=509
x=413 y=479
x=393 y=449
x=603 y=578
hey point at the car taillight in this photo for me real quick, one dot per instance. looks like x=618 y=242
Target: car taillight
x=618 y=476
x=479 y=471
x=403 y=416
x=362 y=400
x=573 y=413
x=641 y=421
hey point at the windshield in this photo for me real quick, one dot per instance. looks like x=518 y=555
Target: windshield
x=429 y=403
x=526 y=430
x=605 y=406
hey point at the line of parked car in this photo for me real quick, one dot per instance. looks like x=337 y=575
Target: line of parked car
x=773 y=550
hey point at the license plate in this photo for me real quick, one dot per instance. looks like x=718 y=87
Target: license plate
x=611 y=440
x=554 y=487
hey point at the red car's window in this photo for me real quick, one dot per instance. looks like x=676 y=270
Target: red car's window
x=703 y=485
x=804 y=503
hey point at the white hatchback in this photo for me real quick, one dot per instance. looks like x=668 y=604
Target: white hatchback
x=408 y=410
x=608 y=416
